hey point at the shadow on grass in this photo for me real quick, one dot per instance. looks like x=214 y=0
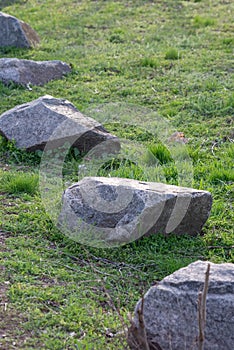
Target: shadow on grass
x=5 y=3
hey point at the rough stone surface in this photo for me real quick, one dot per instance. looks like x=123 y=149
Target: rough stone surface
x=52 y=121
x=123 y=210
x=26 y=72
x=170 y=309
x=16 y=33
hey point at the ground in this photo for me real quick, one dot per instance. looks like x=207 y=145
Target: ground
x=173 y=58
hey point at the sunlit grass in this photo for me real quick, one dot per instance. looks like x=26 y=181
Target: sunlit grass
x=171 y=58
x=18 y=182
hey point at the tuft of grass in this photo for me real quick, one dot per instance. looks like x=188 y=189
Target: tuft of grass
x=149 y=62
x=116 y=38
x=171 y=174
x=230 y=151
x=160 y=152
x=122 y=168
x=228 y=41
x=211 y=85
x=200 y=21
x=18 y=182
x=172 y=54
x=220 y=175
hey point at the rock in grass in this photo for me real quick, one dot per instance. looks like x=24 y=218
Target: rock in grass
x=26 y=72
x=54 y=121
x=16 y=33
x=118 y=211
x=170 y=309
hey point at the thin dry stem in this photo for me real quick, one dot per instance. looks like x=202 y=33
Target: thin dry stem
x=137 y=335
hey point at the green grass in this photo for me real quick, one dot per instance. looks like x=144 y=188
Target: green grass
x=18 y=182
x=203 y=21
x=149 y=62
x=60 y=294
x=172 y=54
x=161 y=153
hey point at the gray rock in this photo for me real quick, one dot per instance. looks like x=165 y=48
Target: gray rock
x=52 y=121
x=26 y=72
x=170 y=309
x=118 y=211
x=16 y=33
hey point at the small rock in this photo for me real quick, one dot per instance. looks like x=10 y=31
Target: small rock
x=16 y=33
x=170 y=309
x=26 y=72
x=118 y=210
x=48 y=119
x=178 y=136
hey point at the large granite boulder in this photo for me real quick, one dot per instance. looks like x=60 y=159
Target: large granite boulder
x=16 y=33
x=170 y=309
x=116 y=211
x=26 y=72
x=54 y=121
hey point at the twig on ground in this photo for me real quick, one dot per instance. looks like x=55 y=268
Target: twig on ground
x=120 y=265
x=143 y=335
x=85 y=263
x=137 y=338
x=116 y=309
x=212 y=148
x=220 y=247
